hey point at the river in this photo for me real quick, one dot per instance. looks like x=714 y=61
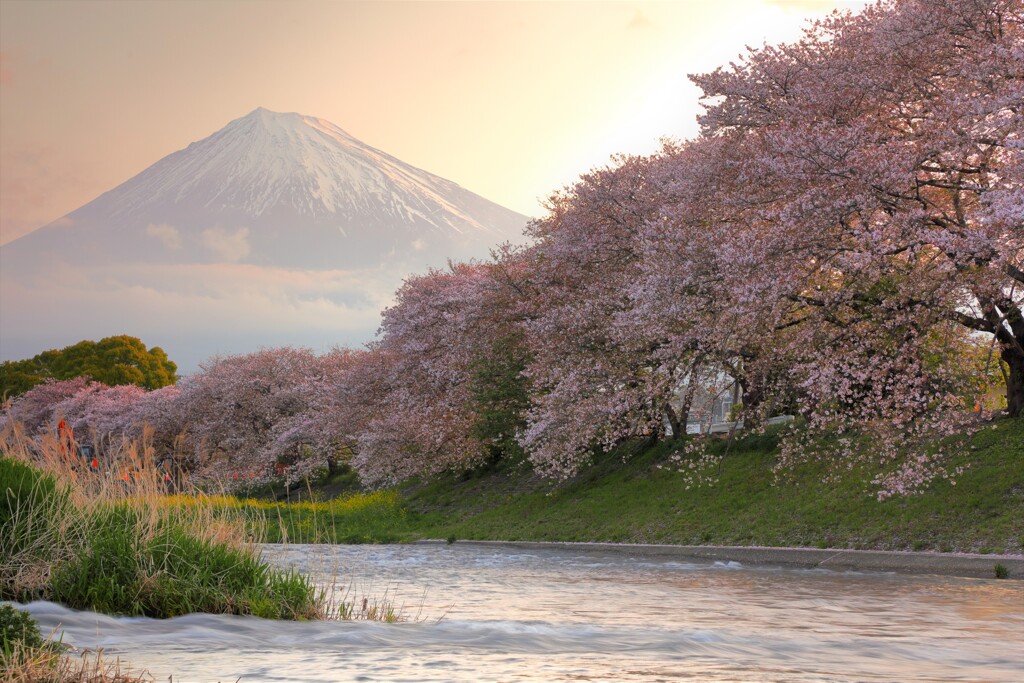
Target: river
x=486 y=614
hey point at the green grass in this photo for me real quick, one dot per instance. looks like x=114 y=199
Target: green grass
x=633 y=495
x=357 y=518
x=374 y=517
x=132 y=556
x=172 y=572
x=629 y=498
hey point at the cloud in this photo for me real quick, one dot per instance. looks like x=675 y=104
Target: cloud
x=232 y=247
x=168 y=235
x=193 y=310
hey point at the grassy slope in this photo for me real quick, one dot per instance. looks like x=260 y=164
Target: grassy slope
x=635 y=501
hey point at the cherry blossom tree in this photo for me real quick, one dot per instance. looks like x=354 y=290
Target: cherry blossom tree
x=158 y=419
x=447 y=328
x=236 y=406
x=600 y=374
x=885 y=150
x=37 y=409
x=334 y=413
x=710 y=278
x=873 y=198
x=100 y=414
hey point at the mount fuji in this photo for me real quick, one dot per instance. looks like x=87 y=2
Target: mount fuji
x=277 y=229
x=278 y=189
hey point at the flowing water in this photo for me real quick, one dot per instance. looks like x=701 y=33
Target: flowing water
x=505 y=614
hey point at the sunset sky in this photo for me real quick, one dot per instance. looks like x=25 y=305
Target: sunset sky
x=510 y=99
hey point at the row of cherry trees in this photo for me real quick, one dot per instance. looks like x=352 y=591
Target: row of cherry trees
x=845 y=240
x=239 y=418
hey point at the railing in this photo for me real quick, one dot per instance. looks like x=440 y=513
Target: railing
x=702 y=426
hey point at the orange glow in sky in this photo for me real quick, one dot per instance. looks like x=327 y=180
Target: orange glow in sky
x=512 y=100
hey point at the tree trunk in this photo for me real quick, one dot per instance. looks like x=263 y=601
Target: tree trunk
x=682 y=417
x=1014 y=358
x=752 y=390
x=673 y=421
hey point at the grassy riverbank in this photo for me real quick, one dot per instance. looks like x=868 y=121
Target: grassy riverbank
x=353 y=517
x=632 y=496
x=637 y=501
x=72 y=538
x=635 y=496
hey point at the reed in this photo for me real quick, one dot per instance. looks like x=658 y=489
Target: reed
x=105 y=539
x=115 y=539
x=55 y=665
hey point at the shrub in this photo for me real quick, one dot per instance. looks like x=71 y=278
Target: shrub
x=120 y=571
x=17 y=628
x=31 y=503
x=30 y=499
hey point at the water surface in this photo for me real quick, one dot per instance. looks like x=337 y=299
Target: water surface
x=507 y=614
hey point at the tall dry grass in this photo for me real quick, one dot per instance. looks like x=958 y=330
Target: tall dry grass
x=81 y=519
x=55 y=665
x=125 y=535
x=126 y=485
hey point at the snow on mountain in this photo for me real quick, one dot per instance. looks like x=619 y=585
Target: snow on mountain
x=277 y=229
x=279 y=189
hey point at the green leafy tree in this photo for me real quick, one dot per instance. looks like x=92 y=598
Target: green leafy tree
x=112 y=360
x=17 y=377
x=501 y=397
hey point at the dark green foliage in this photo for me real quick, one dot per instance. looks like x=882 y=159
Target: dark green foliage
x=193 y=575
x=103 y=576
x=501 y=397
x=112 y=360
x=21 y=487
x=1001 y=571
x=17 y=377
x=17 y=627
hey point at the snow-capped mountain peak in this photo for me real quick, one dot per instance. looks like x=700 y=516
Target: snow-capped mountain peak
x=288 y=189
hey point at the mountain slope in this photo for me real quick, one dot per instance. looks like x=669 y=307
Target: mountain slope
x=277 y=229
x=277 y=189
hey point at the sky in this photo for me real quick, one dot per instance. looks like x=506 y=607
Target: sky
x=512 y=100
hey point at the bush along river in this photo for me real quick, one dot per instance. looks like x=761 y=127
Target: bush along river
x=479 y=613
